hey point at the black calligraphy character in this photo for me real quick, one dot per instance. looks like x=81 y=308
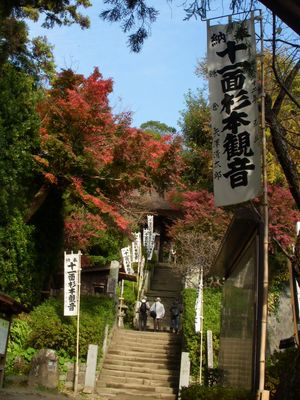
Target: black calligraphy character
x=217 y=38
x=215 y=106
x=227 y=102
x=71 y=265
x=236 y=145
x=217 y=142
x=238 y=171
x=233 y=80
x=217 y=153
x=243 y=99
x=71 y=306
x=235 y=120
x=217 y=164
x=218 y=175
x=232 y=48
x=216 y=131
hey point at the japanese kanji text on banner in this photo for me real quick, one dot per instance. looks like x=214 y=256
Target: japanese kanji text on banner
x=72 y=268
x=234 y=112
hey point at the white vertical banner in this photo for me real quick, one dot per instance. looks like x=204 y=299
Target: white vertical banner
x=151 y=246
x=199 y=306
x=231 y=61
x=146 y=235
x=150 y=223
x=72 y=269
x=126 y=257
x=136 y=247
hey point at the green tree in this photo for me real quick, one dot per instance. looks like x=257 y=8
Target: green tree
x=158 y=128
x=195 y=128
x=19 y=124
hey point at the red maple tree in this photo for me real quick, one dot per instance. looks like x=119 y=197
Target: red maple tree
x=96 y=158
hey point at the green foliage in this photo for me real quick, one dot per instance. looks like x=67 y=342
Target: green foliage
x=278 y=366
x=211 y=311
x=19 y=125
x=19 y=354
x=195 y=125
x=158 y=128
x=18 y=276
x=279 y=279
x=46 y=327
x=130 y=296
x=198 y=392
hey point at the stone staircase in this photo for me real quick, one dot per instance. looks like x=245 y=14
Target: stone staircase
x=165 y=284
x=141 y=365
x=145 y=364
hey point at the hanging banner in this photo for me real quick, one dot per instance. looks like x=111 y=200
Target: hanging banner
x=150 y=223
x=126 y=257
x=231 y=61
x=72 y=268
x=199 y=306
x=136 y=247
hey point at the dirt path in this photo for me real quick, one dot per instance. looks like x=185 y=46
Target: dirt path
x=25 y=393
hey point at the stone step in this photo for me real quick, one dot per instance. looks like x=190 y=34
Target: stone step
x=107 y=394
x=148 y=343
x=148 y=357
x=145 y=374
x=167 y=361
x=145 y=350
x=140 y=369
x=138 y=388
x=107 y=380
x=138 y=335
x=156 y=366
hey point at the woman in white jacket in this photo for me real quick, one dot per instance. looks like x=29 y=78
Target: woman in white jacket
x=157 y=312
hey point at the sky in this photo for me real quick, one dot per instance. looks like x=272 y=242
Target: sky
x=150 y=84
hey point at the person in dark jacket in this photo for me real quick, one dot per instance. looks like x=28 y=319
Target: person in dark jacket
x=143 y=313
x=175 y=311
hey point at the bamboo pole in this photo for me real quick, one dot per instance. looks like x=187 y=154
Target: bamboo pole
x=263 y=394
x=201 y=324
x=77 y=329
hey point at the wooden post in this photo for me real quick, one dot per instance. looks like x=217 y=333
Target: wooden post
x=263 y=394
x=77 y=330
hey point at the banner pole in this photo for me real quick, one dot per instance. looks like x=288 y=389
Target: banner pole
x=201 y=325
x=263 y=394
x=77 y=330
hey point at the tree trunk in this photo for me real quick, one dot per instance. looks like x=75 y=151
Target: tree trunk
x=282 y=151
x=37 y=202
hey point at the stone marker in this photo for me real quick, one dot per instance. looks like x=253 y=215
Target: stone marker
x=210 y=358
x=184 y=379
x=91 y=365
x=44 y=369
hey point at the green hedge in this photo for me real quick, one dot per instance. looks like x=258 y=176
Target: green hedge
x=47 y=327
x=197 y=392
x=211 y=312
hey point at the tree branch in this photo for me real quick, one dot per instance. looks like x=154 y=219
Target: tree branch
x=289 y=80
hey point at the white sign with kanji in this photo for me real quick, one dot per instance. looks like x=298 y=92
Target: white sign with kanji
x=72 y=269
x=231 y=62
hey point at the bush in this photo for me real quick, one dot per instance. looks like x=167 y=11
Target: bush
x=47 y=327
x=198 y=392
x=212 y=312
x=19 y=355
x=130 y=297
x=279 y=369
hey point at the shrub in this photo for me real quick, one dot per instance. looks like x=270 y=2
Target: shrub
x=211 y=312
x=47 y=327
x=130 y=297
x=198 y=392
x=19 y=355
